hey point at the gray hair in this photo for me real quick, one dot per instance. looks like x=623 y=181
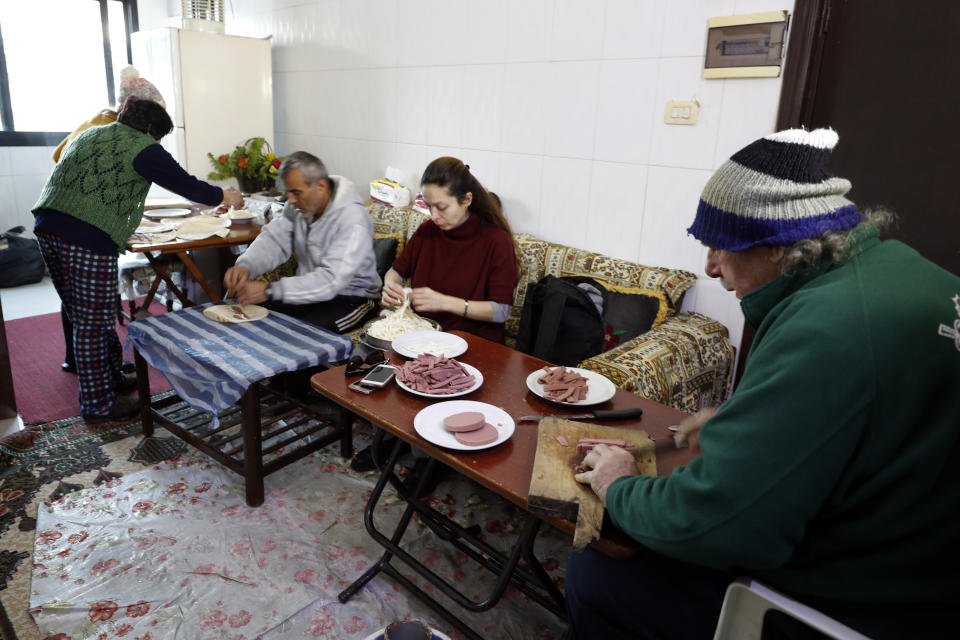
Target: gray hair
x=834 y=245
x=310 y=166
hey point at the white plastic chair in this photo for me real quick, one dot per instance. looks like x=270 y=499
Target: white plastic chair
x=746 y=602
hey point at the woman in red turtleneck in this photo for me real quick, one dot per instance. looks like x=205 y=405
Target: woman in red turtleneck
x=461 y=262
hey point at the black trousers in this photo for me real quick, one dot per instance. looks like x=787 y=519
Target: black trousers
x=649 y=596
x=339 y=315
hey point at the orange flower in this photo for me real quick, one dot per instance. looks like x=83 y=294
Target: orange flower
x=242 y=162
x=223 y=158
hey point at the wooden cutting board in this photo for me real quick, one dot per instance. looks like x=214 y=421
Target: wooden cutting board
x=554 y=492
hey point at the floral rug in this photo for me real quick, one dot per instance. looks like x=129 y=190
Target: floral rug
x=129 y=546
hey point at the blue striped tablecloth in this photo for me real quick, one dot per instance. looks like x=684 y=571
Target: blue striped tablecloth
x=211 y=364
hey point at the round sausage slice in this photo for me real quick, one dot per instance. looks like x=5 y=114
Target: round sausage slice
x=478 y=437
x=466 y=421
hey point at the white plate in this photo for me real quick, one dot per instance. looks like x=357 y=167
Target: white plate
x=167 y=213
x=149 y=226
x=599 y=388
x=224 y=313
x=429 y=423
x=452 y=346
x=478 y=380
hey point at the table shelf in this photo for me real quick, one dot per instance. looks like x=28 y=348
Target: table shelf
x=279 y=428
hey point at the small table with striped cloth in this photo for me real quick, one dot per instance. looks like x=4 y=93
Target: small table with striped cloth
x=213 y=365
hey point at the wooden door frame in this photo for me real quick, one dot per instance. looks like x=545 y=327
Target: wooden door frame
x=808 y=26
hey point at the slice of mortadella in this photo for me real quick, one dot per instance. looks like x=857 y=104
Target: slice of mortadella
x=478 y=437
x=466 y=421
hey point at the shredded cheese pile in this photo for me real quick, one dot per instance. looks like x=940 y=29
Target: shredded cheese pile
x=397 y=324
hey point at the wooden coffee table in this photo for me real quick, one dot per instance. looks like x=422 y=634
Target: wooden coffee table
x=504 y=469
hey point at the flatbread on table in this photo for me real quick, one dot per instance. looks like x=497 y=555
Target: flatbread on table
x=236 y=312
x=201 y=227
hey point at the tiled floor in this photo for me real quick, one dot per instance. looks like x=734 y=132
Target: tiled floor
x=23 y=302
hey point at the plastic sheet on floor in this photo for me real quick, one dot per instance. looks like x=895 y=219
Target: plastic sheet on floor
x=174 y=552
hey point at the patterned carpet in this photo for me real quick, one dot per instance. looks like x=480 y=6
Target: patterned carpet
x=110 y=484
x=45 y=393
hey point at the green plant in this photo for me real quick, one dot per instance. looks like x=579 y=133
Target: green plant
x=253 y=169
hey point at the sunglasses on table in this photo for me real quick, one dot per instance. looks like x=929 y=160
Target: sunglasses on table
x=355 y=365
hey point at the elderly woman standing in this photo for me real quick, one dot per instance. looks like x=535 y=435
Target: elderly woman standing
x=131 y=86
x=89 y=206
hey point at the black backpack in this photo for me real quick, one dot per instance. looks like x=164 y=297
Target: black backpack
x=559 y=322
x=20 y=259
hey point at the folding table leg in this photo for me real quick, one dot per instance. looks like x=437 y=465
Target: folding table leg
x=368 y=575
x=535 y=582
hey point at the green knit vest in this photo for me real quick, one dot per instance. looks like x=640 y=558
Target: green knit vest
x=95 y=181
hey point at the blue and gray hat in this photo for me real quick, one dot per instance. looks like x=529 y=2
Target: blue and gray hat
x=774 y=192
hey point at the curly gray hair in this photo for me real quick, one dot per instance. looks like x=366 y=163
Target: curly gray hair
x=834 y=245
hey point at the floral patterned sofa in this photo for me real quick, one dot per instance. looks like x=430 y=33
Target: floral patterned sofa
x=685 y=361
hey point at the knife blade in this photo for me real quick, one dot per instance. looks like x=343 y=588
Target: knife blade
x=600 y=414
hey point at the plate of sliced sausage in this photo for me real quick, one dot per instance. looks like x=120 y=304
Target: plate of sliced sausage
x=438 y=377
x=570 y=386
x=464 y=424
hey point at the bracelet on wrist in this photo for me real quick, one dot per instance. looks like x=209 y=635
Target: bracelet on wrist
x=466 y=307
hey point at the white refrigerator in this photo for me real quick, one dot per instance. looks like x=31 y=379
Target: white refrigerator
x=218 y=90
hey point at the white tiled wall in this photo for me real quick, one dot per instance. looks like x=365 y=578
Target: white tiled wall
x=23 y=172
x=557 y=105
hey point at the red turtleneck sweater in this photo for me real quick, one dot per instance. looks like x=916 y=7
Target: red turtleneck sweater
x=474 y=261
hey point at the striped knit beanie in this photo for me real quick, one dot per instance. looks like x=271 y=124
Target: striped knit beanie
x=774 y=192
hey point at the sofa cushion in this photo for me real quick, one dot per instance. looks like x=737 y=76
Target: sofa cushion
x=686 y=363
x=630 y=311
x=394 y=222
x=569 y=261
x=539 y=258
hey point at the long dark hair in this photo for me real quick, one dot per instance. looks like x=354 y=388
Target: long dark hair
x=455 y=176
x=146 y=116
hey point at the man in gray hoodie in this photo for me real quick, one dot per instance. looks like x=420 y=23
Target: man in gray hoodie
x=336 y=285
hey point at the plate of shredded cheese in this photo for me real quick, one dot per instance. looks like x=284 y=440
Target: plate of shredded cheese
x=380 y=333
x=438 y=343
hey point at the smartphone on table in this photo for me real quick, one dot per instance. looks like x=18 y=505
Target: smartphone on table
x=379 y=377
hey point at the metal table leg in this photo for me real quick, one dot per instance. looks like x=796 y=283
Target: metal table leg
x=532 y=580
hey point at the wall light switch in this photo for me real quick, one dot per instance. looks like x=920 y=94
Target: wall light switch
x=681 y=112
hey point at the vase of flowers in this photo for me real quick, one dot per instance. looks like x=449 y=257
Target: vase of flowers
x=253 y=164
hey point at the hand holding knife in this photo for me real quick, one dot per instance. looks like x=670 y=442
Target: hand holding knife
x=599 y=414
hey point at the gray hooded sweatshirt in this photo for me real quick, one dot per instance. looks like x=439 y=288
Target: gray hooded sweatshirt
x=334 y=253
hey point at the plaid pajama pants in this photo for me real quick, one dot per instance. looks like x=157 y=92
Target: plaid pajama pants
x=87 y=285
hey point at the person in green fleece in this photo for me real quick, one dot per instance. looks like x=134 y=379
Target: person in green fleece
x=830 y=472
x=87 y=210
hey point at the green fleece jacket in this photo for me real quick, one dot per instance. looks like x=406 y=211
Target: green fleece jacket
x=832 y=473
x=95 y=181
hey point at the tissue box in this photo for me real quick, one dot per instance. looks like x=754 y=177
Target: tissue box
x=389 y=193
x=420 y=205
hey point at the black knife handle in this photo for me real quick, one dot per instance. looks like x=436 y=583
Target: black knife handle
x=618 y=414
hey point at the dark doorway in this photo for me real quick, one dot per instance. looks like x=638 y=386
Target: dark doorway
x=882 y=74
